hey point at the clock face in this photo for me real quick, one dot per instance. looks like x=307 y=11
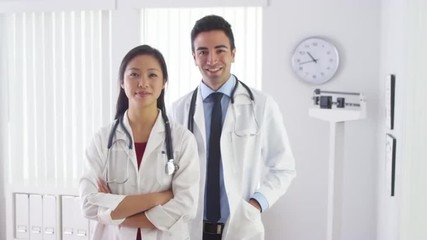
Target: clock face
x=315 y=60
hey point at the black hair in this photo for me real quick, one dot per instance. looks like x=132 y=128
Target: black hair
x=122 y=100
x=210 y=23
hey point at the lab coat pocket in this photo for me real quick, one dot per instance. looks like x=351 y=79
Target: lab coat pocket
x=245 y=145
x=245 y=124
x=116 y=169
x=251 y=212
x=246 y=224
x=164 y=179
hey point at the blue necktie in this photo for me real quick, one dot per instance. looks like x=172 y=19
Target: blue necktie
x=213 y=208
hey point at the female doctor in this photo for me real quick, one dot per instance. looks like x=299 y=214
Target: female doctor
x=130 y=186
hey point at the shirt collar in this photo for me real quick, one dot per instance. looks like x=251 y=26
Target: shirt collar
x=226 y=89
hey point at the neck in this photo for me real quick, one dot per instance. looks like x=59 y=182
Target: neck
x=141 y=122
x=215 y=85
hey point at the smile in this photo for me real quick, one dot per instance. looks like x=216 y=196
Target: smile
x=213 y=69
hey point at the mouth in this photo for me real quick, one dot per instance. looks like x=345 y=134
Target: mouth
x=213 y=69
x=142 y=94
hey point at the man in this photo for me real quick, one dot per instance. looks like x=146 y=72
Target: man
x=246 y=161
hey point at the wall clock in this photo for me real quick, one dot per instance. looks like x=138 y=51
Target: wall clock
x=315 y=60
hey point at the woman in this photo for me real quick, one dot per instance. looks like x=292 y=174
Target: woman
x=138 y=191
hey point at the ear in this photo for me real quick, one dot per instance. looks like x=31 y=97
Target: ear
x=194 y=58
x=122 y=85
x=233 y=53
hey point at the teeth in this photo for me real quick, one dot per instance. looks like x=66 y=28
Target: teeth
x=213 y=69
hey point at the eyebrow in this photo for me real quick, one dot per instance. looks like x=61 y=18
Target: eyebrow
x=216 y=47
x=137 y=69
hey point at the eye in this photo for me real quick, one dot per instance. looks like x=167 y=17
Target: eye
x=202 y=52
x=152 y=75
x=220 y=50
x=133 y=74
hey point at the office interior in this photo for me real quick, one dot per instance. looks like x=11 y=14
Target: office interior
x=376 y=39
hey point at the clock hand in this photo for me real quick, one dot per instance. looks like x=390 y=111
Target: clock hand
x=312 y=58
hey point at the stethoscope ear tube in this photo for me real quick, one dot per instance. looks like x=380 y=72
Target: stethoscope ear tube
x=192 y=110
x=171 y=166
x=168 y=137
x=110 y=137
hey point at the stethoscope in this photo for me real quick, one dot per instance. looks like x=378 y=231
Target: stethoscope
x=170 y=168
x=192 y=109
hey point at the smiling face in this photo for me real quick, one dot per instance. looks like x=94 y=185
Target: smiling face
x=213 y=56
x=143 y=81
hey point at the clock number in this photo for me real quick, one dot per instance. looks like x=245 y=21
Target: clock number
x=315 y=60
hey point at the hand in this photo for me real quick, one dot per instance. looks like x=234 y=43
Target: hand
x=103 y=186
x=312 y=58
x=255 y=203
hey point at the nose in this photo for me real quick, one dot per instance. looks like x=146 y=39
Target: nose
x=212 y=57
x=142 y=82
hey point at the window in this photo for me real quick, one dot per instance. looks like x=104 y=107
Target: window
x=60 y=91
x=62 y=88
x=169 y=31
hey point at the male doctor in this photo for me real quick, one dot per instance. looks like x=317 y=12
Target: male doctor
x=246 y=162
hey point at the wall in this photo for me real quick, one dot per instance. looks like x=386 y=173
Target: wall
x=403 y=53
x=355 y=27
x=393 y=55
x=414 y=177
x=3 y=127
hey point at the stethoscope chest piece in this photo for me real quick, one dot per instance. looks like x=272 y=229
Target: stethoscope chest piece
x=171 y=167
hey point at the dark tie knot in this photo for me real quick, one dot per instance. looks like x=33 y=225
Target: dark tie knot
x=216 y=96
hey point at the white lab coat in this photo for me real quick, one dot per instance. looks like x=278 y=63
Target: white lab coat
x=171 y=219
x=256 y=157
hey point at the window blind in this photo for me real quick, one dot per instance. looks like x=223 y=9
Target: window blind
x=60 y=92
x=62 y=88
x=168 y=29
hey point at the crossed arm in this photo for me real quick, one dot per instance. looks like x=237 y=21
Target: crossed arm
x=132 y=207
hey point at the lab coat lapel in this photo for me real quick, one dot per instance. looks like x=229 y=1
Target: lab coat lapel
x=228 y=147
x=122 y=135
x=199 y=119
x=156 y=139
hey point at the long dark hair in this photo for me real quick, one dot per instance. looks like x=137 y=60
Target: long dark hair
x=122 y=100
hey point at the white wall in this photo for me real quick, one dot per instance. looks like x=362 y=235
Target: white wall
x=3 y=127
x=355 y=27
x=393 y=61
x=403 y=53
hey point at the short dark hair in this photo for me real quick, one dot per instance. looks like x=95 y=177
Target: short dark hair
x=210 y=23
x=122 y=100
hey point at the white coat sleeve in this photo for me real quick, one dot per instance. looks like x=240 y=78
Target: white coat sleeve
x=95 y=205
x=185 y=187
x=277 y=154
